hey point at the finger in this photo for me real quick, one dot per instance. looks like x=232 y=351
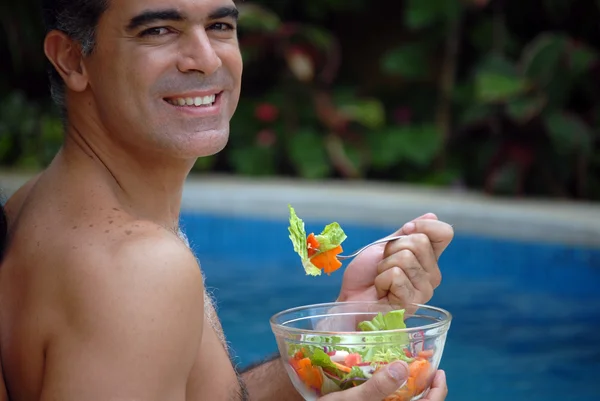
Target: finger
x=382 y=384
x=398 y=289
x=417 y=276
x=427 y=216
x=439 y=387
x=420 y=245
x=440 y=234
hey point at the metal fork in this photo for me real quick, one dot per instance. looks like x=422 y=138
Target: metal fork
x=379 y=241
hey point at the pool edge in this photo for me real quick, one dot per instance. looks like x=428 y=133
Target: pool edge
x=384 y=205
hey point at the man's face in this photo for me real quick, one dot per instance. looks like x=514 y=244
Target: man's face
x=166 y=74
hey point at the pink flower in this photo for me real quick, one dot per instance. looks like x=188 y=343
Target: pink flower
x=266 y=112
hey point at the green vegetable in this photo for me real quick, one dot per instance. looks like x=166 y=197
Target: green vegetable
x=298 y=237
x=320 y=358
x=331 y=237
x=385 y=353
x=390 y=321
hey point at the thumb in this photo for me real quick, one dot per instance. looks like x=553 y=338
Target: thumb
x=427 y=216
x=403 y=231
x=382 y=384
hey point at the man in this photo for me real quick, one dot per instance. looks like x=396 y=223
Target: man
x=101 y=299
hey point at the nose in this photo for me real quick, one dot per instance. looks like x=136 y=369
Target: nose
x=199 y=55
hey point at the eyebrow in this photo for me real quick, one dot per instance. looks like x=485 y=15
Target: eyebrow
x=148 y=16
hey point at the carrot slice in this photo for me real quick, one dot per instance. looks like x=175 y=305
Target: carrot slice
x=327 y=261
x=425 y=354
x=419 y=371
x=313 y=244
x=341 y=367
x=309 y=374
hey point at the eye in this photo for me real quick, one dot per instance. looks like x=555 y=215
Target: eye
x=222 y=26
x=157 y=31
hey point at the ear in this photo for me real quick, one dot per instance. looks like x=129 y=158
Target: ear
x=65 y=55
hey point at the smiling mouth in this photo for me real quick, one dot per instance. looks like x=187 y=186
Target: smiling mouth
x=197 y=101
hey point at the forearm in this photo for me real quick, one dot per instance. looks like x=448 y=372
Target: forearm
x=270 y=381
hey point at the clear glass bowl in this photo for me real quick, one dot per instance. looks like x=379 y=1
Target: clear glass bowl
x=327 y=347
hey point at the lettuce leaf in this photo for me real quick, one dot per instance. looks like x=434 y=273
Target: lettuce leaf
x=298 y=238
x=331 y=237
x=390 y=321
x=386 y=353
x=320 y=358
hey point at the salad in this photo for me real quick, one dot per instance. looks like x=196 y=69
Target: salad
x=328 y=366
x=318 y=253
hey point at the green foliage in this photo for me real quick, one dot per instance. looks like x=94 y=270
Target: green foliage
x=448 y=91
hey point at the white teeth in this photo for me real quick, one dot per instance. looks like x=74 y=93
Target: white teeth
x=193 y=101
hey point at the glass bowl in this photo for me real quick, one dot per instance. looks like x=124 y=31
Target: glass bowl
x=335 y=346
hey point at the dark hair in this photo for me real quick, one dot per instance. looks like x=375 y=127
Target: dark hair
x=78 y=19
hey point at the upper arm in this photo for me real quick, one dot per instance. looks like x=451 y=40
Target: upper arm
x=132 y=327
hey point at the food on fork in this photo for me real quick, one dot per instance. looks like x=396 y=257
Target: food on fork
x=318 y=253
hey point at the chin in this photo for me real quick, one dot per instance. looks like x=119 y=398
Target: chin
x=207 y=143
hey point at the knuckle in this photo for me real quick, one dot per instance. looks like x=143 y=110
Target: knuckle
x=421 y=240
x=403 y=290
x=385 y=265
x=405 y=257
x=415 y=272
x=436 y=278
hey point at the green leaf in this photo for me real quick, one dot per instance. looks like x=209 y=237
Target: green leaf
x=385 y=148
x=417 y=144
x=498 y=64
x=308 y=154
x=492 y=87
x=420 y=14
x=581 y=58
x=541 y=57
x=497 y=80
x=477 y=113
x=569 y=133
x=332 y=236
x=410 y=61
x=368 y=112
x=523 y=109
x=298 y=237
x=318 y=37
x=253 y=161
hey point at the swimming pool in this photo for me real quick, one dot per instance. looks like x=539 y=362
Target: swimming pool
x=526 y=315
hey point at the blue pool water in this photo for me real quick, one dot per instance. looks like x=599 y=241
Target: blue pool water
x=526 y=316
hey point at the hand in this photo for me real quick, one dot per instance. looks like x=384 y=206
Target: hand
x=385 y=382
x=403 y=271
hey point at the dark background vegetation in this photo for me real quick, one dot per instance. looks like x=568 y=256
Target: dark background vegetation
x=500 y=96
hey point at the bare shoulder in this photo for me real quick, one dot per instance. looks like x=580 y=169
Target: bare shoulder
x=135 y=258
x=133 y=318
x=142 y=264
